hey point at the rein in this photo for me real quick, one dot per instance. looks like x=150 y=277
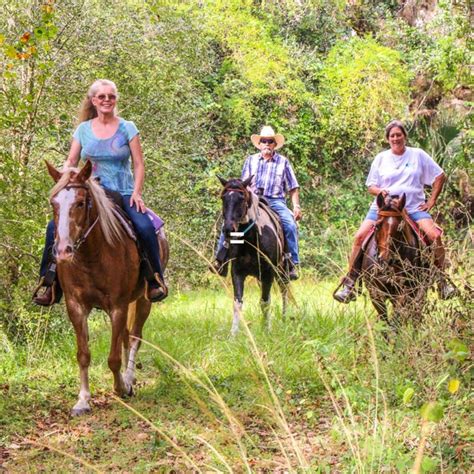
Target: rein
x=241 y=233
x=89 y=226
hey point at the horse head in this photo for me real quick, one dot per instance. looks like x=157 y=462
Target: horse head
x=389 y=226
x=236 y=200
x=71 y=202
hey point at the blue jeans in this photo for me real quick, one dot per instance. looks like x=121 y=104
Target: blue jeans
x=289 y=227
x=143 y=227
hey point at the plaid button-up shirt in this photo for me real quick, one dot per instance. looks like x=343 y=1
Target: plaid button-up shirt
x=272 y=178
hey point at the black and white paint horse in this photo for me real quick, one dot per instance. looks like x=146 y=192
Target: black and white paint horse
x=260 y=252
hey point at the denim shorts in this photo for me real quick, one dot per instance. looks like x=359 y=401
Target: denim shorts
x=414 y=216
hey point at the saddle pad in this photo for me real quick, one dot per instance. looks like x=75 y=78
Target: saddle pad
x=156 y=220
x=421 y=235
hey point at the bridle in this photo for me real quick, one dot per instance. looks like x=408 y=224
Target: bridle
x=89 y=227
x=232 y=187
x=391 y=213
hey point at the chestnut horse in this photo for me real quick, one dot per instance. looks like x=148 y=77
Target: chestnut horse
x=260 y=252
x=395 y=265
x=98 y=266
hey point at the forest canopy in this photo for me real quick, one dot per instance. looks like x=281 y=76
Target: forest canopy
x=198 y=78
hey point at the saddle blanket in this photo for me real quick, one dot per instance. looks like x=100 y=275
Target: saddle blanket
x=156 y=220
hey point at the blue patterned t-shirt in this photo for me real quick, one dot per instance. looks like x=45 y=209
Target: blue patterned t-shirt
x=110 y=156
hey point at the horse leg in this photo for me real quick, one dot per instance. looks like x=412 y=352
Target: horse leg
x=381 y=307
x=265 y=301
x=78 y=316
x=238 y=283
x=138 y=312
x=126 y=335
x=118 y=317
x=283 y=284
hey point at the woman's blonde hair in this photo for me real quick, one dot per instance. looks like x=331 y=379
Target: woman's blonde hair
x=87 y=110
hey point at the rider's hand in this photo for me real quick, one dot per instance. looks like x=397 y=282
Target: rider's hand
x=136 y=199
x=426 y=206
x=297 y=214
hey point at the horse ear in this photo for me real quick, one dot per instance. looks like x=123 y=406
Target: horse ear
x=380 y=200
x=85 y=172
x=247 y=181
x=403 y=200
x=53 y=172
x=222 y=180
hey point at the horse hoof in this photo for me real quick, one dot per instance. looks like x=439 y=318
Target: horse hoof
x=80 y=411
x=128 y=391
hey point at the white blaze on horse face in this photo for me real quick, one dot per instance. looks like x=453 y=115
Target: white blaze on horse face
x=64 y=199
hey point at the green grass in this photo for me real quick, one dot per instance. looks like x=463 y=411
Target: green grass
x=323 y=390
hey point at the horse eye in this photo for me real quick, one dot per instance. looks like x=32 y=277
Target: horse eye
x=80 y=204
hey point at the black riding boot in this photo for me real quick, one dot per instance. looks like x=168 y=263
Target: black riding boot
x=221 y=263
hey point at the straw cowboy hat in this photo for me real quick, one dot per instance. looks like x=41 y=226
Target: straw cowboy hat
x=268 y=132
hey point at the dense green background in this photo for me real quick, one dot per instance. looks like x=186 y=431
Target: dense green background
x=198 y=78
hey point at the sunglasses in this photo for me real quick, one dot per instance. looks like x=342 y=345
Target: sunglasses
x=268 y=141
x=106 y=96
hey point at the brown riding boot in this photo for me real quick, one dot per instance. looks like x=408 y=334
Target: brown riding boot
x=47 y=297
x=156 y=289
x=346 y=291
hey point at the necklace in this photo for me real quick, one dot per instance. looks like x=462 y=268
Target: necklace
x=398 y=159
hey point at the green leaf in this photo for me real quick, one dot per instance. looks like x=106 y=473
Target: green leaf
x=10 y=51
x=408 y=395
x=457 y=350
x=432 y=411
x=429 y=464
x=453 y=386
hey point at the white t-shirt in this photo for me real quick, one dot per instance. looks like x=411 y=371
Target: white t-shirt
x=408 y=174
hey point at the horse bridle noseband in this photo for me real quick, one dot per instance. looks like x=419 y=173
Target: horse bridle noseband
x=89 y=227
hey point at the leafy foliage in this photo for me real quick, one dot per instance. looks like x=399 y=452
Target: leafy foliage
x=198 y=78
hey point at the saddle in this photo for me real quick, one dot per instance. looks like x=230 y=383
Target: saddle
x=129 y=229
x=264 y=214
x=421 y=236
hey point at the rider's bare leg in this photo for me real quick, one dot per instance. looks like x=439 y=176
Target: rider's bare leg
x=346 y=292
x=446 y=289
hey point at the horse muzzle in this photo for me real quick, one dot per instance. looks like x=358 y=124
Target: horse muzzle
x=63 y=252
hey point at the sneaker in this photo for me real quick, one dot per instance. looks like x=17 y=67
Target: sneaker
x=220 y=268
x=346 y=292
x=447 y=290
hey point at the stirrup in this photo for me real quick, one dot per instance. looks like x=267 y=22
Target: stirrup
x=350 y=285
x=42 y=284
x=162 y=288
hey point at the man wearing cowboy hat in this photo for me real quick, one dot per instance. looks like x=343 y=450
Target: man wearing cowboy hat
x=273 y=178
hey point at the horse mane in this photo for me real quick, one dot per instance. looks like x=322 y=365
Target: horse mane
x=111 y=227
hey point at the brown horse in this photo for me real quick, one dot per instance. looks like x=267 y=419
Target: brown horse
x=395 y=266
x=98 y=266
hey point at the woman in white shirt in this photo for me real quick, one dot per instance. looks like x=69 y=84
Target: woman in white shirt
x=401 y=169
